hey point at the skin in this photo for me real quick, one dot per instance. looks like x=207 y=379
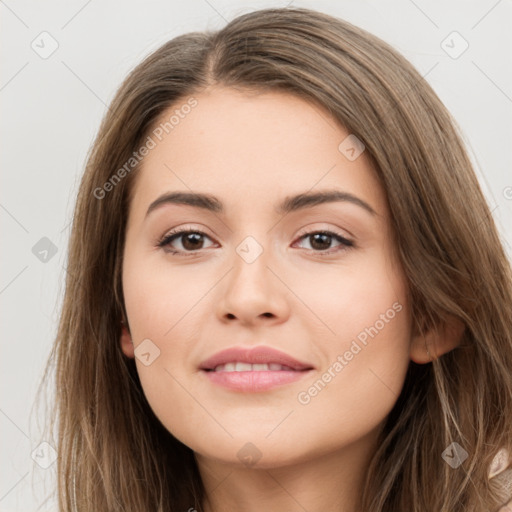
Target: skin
x=252 y=150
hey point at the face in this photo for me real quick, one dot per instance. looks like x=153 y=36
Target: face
x=316 y=280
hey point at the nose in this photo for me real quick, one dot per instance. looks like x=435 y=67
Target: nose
x=253 y=292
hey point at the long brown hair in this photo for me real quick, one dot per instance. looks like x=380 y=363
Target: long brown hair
x=114 y=454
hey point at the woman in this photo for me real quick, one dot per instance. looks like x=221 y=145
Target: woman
x=285 y=288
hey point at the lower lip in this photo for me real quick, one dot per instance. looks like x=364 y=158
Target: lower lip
x=254 y=381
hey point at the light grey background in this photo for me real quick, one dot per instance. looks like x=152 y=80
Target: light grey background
x=52 y=107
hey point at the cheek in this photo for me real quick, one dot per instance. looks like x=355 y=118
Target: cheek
x=368 y=355
x=160 y=308
x=158 y=296
x=351 y=398
x=165 y=305
x=344 y=300
x=366 y=348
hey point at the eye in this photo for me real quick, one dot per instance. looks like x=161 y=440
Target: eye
x=191 y=240
x=320 y=240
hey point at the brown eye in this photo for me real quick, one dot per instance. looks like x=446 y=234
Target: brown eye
x=191 y=240
x=321 y=240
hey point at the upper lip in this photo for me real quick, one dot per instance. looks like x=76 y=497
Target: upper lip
x=256 y=355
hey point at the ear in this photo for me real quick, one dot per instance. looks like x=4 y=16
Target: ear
x=438 y=341
x=126 y=342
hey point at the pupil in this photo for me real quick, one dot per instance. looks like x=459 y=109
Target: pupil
x=194 y=244
x=326 y=238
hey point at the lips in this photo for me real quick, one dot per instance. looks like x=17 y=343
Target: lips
x=256 y=355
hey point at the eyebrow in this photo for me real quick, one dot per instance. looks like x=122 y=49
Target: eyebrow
x=288 y=205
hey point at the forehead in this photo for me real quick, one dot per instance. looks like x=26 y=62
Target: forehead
x=251 y=150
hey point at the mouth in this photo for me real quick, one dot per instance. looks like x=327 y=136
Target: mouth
x=244 y=359
x=248 y=367
x=253 y=378
x=253 y=370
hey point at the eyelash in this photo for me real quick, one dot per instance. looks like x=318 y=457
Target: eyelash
x=176 y=233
